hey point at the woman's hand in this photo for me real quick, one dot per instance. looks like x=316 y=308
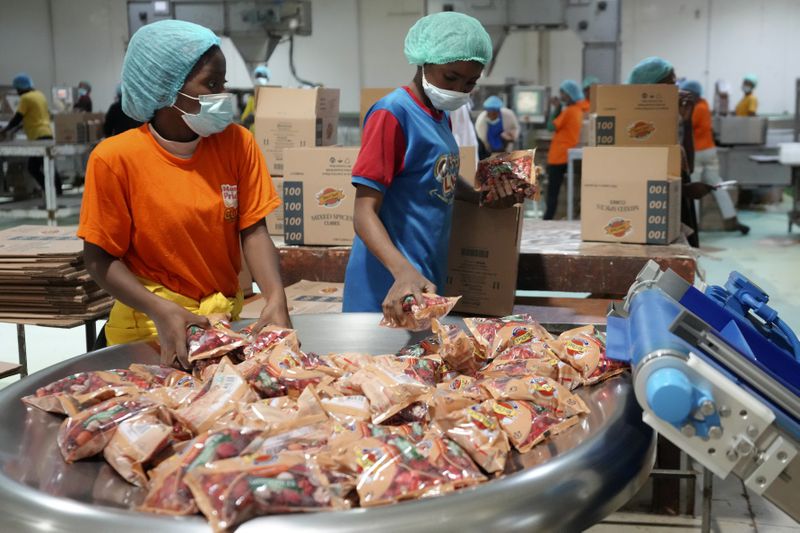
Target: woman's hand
x=171 y=321
x=499 y=193
x=275 y=312
x=408 y=283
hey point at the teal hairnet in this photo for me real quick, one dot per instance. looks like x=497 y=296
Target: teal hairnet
x=752 y=78
x=447 y=37
x=692 y=86
x=86 y=85
x=572 y=89
x=159 y=58
x=22 y=82
x=262 y=71
x=588 y=81
x=493 y=103
x=650 y=70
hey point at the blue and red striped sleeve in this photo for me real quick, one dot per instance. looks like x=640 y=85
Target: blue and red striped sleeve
x=383 y=151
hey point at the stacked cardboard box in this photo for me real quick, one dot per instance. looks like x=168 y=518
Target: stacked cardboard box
x=78 y=128
x=630 y=189
x=42 y=275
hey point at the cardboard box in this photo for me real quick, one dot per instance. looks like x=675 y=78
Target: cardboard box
x=304 y=298
x=633 y=115
x=483 y=258
x=319 y=197
x=368 y=98
x=468 y=158
x=78 y=127
x=631 y=195
x=294 y=118
x=275 y=219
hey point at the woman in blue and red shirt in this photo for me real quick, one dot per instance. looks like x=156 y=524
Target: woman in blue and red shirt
x=406 y=175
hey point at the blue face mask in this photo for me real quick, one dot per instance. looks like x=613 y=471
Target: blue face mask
x=216 y=113
x=82 y=92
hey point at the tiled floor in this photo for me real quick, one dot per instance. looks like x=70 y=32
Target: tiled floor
x=768 y=255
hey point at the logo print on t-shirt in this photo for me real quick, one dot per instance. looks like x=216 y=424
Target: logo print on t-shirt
x=230 y=197
x=446 y=173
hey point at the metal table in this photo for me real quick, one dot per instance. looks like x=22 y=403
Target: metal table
x=574 y=480
x=552 y=257
x=49 y=150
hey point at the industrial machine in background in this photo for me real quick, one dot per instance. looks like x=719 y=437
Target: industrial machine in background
x=717 y=372
x=64 y=98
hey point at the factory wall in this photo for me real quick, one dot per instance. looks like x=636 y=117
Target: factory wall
x=26 y=43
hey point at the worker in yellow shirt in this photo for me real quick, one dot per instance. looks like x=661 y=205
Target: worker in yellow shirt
x=34 y=116
x=748 y=105
x=261 y=77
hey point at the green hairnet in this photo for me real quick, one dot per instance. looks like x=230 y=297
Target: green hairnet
x=447 y=37
x=650 y=70
x=588 y=81
x=752 y=78
x=572 y=89
x=159 y=58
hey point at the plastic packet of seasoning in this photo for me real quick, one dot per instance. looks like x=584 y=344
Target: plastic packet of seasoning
x=393 y=467
x=555 y=369
x=541 y=391
x=389 y=388
x=136 y=442
x=517 y=329
x=301 y=434
x=347 y=408
x=517 y=168
x=455 y=395
x=528 y=424
x=163 y=376
x=232 y=491
x=216 y=341
x=585 y=349
x=172 y=397
x=285 y=370
x=218 y=396
x=478 y=432
x=419 y=316
x=77 y=392
x=268 y=412
x=88 y=432
x=268 y=338
x=418 y=412
x=167 y=492
x=347 y=362
x=457 y=349
x=427 y=370
x=427 y=346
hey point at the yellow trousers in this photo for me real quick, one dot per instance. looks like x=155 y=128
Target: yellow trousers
x=126 y=324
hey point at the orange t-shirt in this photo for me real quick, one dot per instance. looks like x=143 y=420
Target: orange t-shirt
x=701 y=126
x=177 y=221
x=568 y=134
x=584 y=105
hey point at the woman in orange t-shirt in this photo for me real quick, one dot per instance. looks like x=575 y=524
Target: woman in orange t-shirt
x=567 y=119
x=706 y=162
x=167 y=204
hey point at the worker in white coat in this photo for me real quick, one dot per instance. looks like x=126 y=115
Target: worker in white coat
x=497 y=126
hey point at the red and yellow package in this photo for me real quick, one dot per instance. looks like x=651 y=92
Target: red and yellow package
x=293 y=436
x=478 y=432
x=528 y=424
x=585 y=349
x=214 y=342
x=167 y=493
x=555 y=369
x=542 y=391
x=135 y=443
x=516 y=329
x=88 y=432
x=389 y=388
x=455 y=395
x=419 y=316
x=427 y=346
x=347 y=408
x=219 y=395
x=267 y=339
x=77 y=392
x=234 y=490
x=457 y=349
x=163 y=376
x=516 y=168
x=284 y=370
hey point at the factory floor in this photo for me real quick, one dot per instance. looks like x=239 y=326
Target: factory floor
x=768 y=255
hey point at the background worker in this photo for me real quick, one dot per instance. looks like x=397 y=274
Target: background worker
x=588 y=81
x=116 y=120
x=706 y=162
x=656 y=70
x=566 y=120
x=34 y=116
x=84 y=102
x=261 y=76
x=497 y=126
x=748 y=105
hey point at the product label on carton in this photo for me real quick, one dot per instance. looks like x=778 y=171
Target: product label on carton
x=657 y=210
x=293 y=212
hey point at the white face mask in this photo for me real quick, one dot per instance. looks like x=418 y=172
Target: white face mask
x=443 y=99
x=261 y=81
x=216 y=113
